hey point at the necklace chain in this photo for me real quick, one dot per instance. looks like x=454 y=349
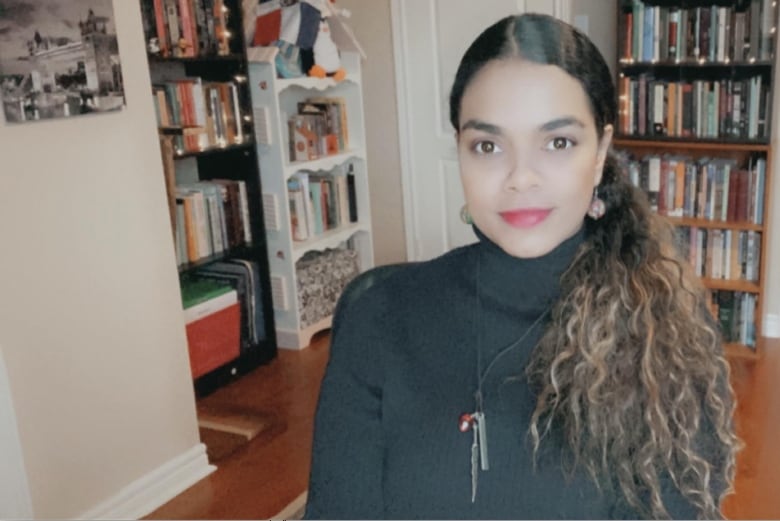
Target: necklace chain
x=479 y=452
x=482 y=375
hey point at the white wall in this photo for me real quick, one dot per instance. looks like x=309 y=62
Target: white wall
x=90 y=316
x=371 y=23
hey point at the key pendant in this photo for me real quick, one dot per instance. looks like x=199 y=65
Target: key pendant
x=474 y=463
x=479 y=455
x=481 y=432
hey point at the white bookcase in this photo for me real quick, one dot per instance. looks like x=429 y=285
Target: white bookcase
x=273 y=101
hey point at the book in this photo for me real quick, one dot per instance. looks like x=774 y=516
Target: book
x=195 y=291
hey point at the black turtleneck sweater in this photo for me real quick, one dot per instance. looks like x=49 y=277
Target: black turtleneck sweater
x=403 y=368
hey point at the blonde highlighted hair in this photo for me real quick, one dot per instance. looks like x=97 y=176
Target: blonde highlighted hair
x=632 y=367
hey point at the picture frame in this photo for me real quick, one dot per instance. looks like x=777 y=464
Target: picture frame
x=58 y=59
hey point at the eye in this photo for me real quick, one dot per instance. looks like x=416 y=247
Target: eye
x=559 y=143
x=485 y=147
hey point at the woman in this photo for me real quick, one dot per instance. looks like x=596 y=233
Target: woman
x=572 y=334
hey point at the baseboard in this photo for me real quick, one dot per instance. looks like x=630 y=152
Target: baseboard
x=300 y=339
x=772 y=325
x=295 y=509
x=153 y=490
x=288 y=339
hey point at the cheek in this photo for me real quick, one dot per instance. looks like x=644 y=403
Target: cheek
x=481 y=177
x=573 y=168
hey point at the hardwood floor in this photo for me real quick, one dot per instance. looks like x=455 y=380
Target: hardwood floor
x=261 y=478
x=758 y=424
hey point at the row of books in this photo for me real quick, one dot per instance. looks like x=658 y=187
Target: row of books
x=187 y=28
x=721 y=254
x=737 y=109
x=211 y=217
x=212 y=108
x=319 y=128
x=716 y=33
x=713 y=189
x=735 y=311
x=319 y=203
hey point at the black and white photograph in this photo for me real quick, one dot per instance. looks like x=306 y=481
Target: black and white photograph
x=58 y=58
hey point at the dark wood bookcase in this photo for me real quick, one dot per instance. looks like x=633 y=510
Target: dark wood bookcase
x=217 y=56
x=695 y=84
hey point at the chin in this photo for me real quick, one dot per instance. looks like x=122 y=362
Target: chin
x=527 y=247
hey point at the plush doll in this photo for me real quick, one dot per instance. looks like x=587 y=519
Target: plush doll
x=325 y=60
x=300 y=29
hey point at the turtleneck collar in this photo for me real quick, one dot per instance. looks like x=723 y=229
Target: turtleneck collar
x=527 y=285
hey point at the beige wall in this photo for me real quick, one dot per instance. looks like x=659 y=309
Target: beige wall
x=371 y=23
x=599 y=16
x=90 y=317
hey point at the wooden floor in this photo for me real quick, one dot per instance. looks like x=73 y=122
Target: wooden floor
x=261 y=478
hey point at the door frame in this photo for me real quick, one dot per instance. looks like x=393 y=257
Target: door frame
x=562 y=10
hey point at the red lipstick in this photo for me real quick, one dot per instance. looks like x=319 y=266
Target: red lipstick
x=525 y=217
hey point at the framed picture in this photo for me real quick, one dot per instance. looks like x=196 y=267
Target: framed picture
x=58 y=58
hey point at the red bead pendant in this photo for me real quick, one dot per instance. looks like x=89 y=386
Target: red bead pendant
x=466 y=422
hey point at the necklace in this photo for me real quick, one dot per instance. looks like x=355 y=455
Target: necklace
x=476 y=421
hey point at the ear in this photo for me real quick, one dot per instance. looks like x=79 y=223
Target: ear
x=601 y=153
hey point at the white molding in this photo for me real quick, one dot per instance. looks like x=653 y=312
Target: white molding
x=772 y=325
x=402 y=88
x=15 y=501
x=293 y=508
x=562 y=10
x=153 y=490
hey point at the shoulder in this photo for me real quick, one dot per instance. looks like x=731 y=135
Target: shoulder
x=392 y=287
x=404 y=277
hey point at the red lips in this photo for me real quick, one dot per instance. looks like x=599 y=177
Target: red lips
x=525 y=217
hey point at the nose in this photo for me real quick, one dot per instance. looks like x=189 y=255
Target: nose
x=522 y=174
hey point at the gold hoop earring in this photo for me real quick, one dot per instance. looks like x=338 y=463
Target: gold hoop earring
x=465 y=216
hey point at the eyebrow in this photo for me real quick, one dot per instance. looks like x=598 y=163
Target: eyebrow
x=483 y=126
x=560 y=123
x=545 y=127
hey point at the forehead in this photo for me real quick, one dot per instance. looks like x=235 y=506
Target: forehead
x=517 y=92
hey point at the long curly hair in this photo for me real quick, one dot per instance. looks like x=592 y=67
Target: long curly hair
x=631 y=367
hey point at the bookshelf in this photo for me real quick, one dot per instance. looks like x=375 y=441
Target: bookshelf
x=695 y=84
x=294 y=234
x=198 y=67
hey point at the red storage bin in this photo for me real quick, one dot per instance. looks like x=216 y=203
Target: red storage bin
x=213 y=333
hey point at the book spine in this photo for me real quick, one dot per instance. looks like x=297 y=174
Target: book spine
x=188 y=44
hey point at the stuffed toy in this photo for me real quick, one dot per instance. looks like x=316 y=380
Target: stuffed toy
x=300 y=29
x=324 y=59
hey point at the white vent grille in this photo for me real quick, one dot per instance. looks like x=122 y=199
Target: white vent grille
x=279 y=293
x=262 y=119
x=271 y=212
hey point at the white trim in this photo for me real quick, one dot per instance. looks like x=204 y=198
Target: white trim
x=293 y=508
x=772 y=325
x=153 y=490
x=15 y=501
x=402 y=88
x=562 y=10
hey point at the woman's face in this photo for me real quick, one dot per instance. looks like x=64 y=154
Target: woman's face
x=529 y=155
